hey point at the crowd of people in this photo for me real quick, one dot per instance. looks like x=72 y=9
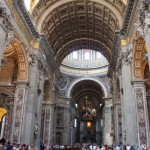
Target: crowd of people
x=113 y=147
x=8 y=146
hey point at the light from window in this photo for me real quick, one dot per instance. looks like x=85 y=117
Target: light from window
x=99 y=55
x=75 y=55
x=86 y=55
x=27 y=4
x=75 y=123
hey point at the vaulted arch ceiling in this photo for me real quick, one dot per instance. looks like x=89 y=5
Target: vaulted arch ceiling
x=90 y=89
x=84 y=24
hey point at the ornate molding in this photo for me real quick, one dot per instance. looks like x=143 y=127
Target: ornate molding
x=19 y=5
x=5 y=101
x=5 y=19
x=114 y=56
x=129 y=16
x=125 y=58
x=144 y=16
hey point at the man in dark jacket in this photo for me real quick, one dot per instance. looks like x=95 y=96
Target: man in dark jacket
x=9 y=146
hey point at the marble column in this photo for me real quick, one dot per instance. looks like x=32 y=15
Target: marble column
x=2 y=41
x=129 y=127
x=108 y=138
x=31 y=104
x=98 y=130
x=147 y=39
x=2 y=124
x=38 y=111
x=141 y=113
x=19 y=113
x=118 y=123
x=66 y=131
x=148 y=107
x=48 y=114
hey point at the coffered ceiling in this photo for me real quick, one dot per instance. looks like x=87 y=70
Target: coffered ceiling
x=79 y=24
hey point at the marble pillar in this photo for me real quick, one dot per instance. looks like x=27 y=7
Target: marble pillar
x=98 y=130
x=141 y=113
x=148 y=107
x=67 y=127
x=118 y=123
x=129 y=127
x=38 y=112
x=19 y=113
x=2 y=41
x=108 y=138
x=48 y=114
x=32 y=98
x=147 y=39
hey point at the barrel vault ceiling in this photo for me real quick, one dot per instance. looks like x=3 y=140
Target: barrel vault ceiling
x=71 y=25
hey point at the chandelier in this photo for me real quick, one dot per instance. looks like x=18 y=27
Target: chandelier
x=87 y=112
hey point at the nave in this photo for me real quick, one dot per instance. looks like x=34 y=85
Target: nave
x=75 y=72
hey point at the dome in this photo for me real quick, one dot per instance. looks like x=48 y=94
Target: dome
x=84 y=61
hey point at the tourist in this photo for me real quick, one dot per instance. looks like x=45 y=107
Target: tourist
x=128 y=147
x=9 y=146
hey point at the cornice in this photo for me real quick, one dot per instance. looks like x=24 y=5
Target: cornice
x=128 y=18
x=20 y=7
x=114 y=56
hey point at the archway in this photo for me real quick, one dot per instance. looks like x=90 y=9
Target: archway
x=87 y=112
x=3 y=113
x=14 y=71
x=71 y=25
x=14 y=67
x=140 y=77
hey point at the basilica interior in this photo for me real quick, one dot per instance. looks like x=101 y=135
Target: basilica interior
x=75 y=71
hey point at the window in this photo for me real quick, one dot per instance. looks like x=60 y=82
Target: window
x=87 y=55
x=98 y=55
x=75 y=55
x=27 y=4
x=75 y=123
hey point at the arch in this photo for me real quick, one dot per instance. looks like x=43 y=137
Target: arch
x=16 y=49
x=102 y=48
x=87 y=78
x=58 y=3
x=3 y=112
x=138 y=63
x=74 y=25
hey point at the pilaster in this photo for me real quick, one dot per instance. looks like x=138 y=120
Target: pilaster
x=129 y=130
x=19 y=113
x=31 y=103
x=48 y=120
x=38 y=111
x=118 y=123
x=141 y=112
x=67 y=127
x=108 y=133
